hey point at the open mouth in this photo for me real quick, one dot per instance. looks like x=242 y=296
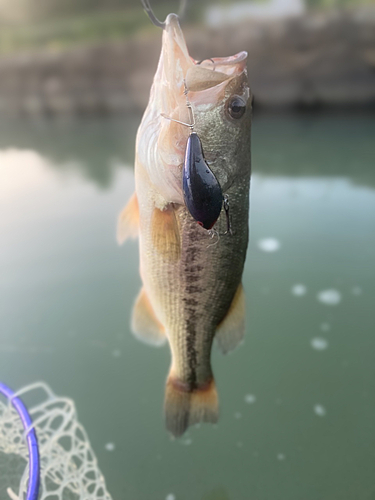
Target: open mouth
x=179 y=69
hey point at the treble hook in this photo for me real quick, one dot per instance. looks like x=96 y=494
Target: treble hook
x=226 y=209
x=189 y=106
x=213 y=233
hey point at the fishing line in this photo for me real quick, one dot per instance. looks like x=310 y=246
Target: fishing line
x=32 y=442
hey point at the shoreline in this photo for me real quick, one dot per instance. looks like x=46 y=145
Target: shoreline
x=311 y=62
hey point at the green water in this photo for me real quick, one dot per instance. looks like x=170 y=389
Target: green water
x=297 y=399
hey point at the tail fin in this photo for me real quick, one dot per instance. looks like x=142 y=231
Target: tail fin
x=184 y=408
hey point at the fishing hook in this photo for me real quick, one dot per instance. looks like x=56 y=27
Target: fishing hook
x=190 y=108
x=227 y=215
x=213 y=232
x=207 y=59
x=147 y=7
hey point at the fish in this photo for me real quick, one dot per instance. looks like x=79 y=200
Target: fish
x=190 y=211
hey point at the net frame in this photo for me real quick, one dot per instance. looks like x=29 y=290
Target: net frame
x=32 y=442
x=69 y=467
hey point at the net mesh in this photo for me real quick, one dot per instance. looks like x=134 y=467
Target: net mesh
x=69 y=468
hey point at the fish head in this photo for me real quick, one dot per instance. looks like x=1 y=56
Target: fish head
x=218 y=93
x=221 y=99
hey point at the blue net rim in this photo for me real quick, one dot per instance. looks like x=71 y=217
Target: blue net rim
x=32 y=442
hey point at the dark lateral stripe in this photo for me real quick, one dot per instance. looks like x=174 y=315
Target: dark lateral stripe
x=191 y=299
x=192 y=353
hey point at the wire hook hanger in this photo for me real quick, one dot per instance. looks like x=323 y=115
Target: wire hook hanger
x=155 y=21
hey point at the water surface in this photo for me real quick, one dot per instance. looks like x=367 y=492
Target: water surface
x=297 y=399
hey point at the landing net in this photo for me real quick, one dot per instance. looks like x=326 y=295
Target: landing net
x=68 y=466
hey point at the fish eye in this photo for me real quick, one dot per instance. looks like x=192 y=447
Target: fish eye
x=236 y=107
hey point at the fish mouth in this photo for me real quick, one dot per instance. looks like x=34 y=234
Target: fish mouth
x=180 y=73
x=181 y=78
x=229 y=66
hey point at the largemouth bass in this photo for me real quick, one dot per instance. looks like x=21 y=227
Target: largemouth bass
x=191 y=276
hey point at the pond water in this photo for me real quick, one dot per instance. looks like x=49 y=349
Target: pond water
x=297 y=399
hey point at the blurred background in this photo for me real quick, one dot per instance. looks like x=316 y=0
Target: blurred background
x=95 y=56
x=297 y=399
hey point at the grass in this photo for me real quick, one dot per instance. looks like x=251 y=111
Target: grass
x=73 y=31
x=110 y=25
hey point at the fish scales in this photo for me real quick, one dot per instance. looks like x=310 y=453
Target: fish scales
x=191 y=277
x=192 y=306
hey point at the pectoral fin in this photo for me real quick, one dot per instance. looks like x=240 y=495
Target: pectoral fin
x=128 y=221
x=165 y=233
x=144 y=324
x=231 y=330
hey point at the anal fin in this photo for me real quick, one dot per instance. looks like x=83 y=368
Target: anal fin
x=144 y=324
x=231 y=330
x=128 y=221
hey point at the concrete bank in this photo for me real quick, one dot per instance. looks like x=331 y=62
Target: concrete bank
x=308 y=61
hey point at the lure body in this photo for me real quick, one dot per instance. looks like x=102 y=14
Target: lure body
x=202 y=192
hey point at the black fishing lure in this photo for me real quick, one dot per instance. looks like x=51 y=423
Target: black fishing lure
x=202 y=192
